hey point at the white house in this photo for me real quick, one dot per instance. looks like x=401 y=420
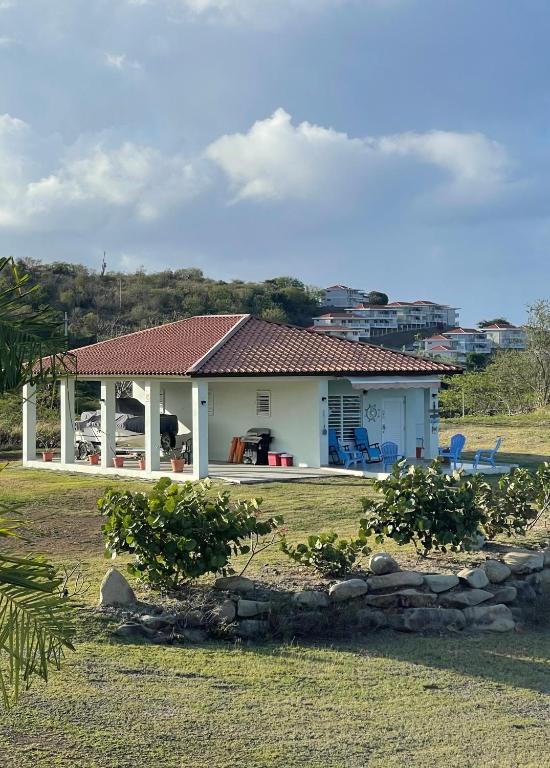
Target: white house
x=506 y=336
x=223 y=374
x=342 y=296
x=456 y=344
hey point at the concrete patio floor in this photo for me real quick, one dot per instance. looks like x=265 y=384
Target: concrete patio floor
x=240 y=474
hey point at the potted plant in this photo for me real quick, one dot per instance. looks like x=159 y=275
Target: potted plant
x=47 y=444
x=177 y=462
x=93 y=457
x=141 y=461
x=118 y=462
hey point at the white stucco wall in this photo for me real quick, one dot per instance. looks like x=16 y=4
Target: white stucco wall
x=298 y=414
x=295 y=420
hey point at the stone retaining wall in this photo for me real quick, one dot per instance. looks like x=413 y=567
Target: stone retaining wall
x=493 y=597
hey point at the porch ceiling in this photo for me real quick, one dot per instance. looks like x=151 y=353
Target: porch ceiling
x=395 y=382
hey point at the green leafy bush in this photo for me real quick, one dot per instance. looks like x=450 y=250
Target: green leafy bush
x=517 y=502
x=327 y=553
x=434 y=511
x=178 y=532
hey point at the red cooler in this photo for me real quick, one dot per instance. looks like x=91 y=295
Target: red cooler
x=287 y=460
x=274 y=459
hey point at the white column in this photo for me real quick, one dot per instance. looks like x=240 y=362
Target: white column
x=199 y=398
x=322 y=395
x=66 y=394
x=431 y=421
x=107 y=422
x=152 y=425
x=29 y=423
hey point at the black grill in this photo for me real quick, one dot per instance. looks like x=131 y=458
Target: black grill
x=256 y=445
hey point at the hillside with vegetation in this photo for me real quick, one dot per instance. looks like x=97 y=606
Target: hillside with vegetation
x=102 y=304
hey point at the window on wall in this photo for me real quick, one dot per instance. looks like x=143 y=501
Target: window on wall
x=344 y=415
x=263 y=403
x=210 y=403
x=163 y=400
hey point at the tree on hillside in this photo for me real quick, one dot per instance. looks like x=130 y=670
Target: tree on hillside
x=494 y=321
x=538 y=350
x=378 y=298
x=35 y=624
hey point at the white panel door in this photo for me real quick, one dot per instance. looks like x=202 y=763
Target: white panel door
x=393 y=422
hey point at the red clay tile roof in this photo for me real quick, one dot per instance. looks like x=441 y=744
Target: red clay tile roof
x=170 y=349
x=260 y=348
x=242 y=345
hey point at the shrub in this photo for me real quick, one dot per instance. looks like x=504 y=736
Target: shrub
x=517 y=502
x=421 y=505
x=327 y=553
x=178 y=532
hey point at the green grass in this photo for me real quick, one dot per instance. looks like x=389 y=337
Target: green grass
x=385 y=702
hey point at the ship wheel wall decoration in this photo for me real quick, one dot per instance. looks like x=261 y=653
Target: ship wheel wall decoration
x=371 y=412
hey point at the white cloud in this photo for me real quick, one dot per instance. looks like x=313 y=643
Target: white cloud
x=86 y=180
x=120 y=61
x=278 y=160
x=7 y=42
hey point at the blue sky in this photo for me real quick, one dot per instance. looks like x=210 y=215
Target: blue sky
x=398 y=145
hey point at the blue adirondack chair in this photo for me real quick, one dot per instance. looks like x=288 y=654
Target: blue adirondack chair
x=370 y=451
x=390 y=455
x=454 y=451
x=487 y=455
x=342 y=454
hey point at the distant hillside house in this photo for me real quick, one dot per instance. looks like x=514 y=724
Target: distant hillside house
x=506 y=336
x=342 y=296
x=455 y=345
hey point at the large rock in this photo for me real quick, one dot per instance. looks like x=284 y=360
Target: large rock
x=526 y=593
x=490 y=618
x=546 y=557
x=396 y=580
x=310 y=599
x=249 y=608
x=496 y=571
x=239 y=584
x=369 y=618
x=474 y=543
x=522 y=563
x=382 y=563
x=226 y=612
x=115 y=590
x=252 y=628
x=132 y=630
x=441 y=582
x=158 y=622
x=405 y=598
x=473 y=577
x=503 y=593
x=465 y=598
x=427 y=619
x=545 y=580
x=346 y=590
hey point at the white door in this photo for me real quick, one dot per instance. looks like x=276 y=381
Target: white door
x=393 y=422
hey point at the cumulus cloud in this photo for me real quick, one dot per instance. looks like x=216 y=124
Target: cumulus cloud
x=87 y=180
x=278 y=160
x=47 y=184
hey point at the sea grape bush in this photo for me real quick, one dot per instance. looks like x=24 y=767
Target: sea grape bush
x=422 y=505
x=327 y=553
x=517 y=502
x=179 y=531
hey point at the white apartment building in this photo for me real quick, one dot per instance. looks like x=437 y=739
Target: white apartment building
x=343 y=325
x=456 y=344
x=342 y=296
x=506 y=336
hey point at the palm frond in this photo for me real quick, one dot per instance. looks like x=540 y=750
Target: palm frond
x=32 y=346
x=35 y=626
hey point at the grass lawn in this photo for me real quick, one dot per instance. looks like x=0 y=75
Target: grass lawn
x=391 y=700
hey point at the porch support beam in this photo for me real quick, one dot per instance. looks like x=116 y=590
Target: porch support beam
x=322 y=399
x=108 y=427
x=152 y=425
x=199 y=399
x=66 y=394
x=29 y=423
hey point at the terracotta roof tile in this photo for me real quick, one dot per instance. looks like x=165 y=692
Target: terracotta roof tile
x=261 y=347
x=233 y=345
x=170 y=349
